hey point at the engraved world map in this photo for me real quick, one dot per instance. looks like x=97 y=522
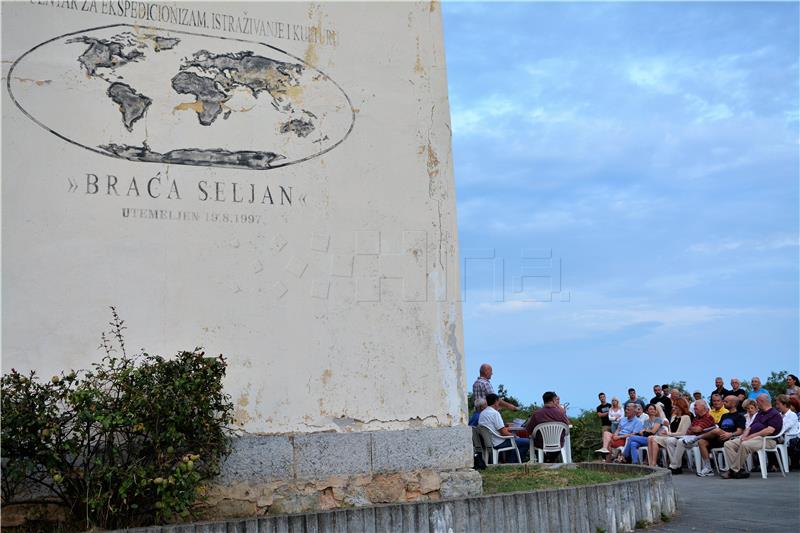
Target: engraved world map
x=181 y=98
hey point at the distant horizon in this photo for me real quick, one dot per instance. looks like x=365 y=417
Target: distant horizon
x=627 y=192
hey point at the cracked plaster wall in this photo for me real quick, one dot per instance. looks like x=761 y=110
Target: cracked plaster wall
x=338 y=312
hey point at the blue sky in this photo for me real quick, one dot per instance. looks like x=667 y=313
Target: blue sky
x=633 y=170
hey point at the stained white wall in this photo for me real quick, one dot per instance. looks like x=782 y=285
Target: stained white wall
x=337 y=312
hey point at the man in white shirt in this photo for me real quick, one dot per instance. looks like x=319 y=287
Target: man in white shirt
x=491 y=418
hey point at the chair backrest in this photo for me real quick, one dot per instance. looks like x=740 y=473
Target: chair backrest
x=486 y=435
x=780 y=433
x=477 y=442
x=551 y=435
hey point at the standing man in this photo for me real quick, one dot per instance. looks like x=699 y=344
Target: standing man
x=738 y=391
x=602 y=412
x=490 y=417
x=632 y=398
x=768 y=421
x=483 y=387
x=719 y=389
x=663 y=399
x=757 y=390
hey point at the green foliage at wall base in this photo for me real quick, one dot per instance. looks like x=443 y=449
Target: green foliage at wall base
x=129 y=442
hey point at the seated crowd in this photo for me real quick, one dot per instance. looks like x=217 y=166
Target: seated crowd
x=733 y=421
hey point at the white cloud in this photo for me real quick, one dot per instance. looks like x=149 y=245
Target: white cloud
x=510 y=306
x=678 y=316
x=711 y=89
x=760 y=245
x=653 y=74
x=583 y=208
x=673 y=282
x=484 y=116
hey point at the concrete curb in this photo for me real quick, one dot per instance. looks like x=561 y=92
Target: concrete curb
x=612 y=507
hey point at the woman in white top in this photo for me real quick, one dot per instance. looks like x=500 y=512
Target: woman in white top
x=791 y=426
x=615 y=413
x=750 y=411
x=678 y=424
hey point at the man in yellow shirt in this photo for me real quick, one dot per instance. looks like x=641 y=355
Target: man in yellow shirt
x=717 y=409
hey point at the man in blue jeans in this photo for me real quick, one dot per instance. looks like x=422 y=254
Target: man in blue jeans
x=490 y=417
x=628 y=426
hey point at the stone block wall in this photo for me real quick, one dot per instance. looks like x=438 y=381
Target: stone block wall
x=298 y=473
x=611 y=507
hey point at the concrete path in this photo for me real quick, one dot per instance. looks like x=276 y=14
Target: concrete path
x=715 y=505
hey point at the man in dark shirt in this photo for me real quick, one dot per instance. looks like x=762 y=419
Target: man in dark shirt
x=602 y=412
x=661 y=398
x=738 y=391
x=768 y=421
x=732 y=424
x=719 y=389
x=632 y=398
x=548 y=413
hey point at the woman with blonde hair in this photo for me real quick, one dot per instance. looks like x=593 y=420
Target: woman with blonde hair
x=615 y=413
x=678 y=424
x=750 y=411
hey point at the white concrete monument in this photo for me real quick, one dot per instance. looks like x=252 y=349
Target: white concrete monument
x=272 y=181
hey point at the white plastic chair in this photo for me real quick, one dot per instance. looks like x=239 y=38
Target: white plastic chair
x=510 y=445
x=643 y=452
x=693 y=458
x=551 y=440
x=718 y=455
x=479 y=444
x=780 y=450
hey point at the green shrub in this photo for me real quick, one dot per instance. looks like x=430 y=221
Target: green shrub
x=586 y=436
x=776 y=383
x=127 y=443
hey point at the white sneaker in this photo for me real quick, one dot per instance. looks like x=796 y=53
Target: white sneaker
x=601 y=450
x=707 y=471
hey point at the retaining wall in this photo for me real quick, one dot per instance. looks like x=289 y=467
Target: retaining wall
x=615 y=506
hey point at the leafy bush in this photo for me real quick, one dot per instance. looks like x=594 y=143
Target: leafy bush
x=129 y=442
x=586 y=435
x=776 y=383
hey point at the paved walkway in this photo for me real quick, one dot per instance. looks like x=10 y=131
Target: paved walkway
x=712 y=504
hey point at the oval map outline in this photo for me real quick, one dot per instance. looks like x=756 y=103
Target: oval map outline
x=63 y=137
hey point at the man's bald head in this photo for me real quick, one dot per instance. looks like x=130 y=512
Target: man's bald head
x=731 y=402
x=486 y=370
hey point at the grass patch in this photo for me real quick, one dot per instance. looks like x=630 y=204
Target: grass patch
x=524 y=478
